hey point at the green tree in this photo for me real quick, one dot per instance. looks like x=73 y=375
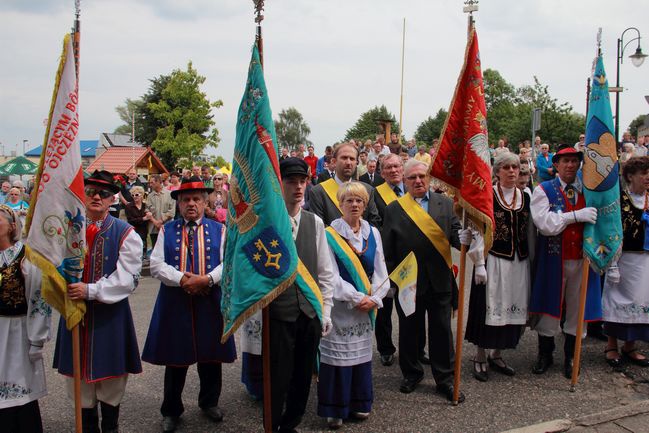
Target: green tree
x=431 y=128
x=174 y=116
x=636 y=123
x=291 y=129
x=367 y=125
x=128 y=113
x=500 y=100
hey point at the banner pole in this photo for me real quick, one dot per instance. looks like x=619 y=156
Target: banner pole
x=580 y=324
x=460 y=319
x=76 y=369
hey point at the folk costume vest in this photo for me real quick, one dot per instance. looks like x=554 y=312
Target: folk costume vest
x=633 y=225
x=290 y=302
x=511 y=230
x=551 y=252
x=184 y=328
x=356 y=267
x=12 y=288
x=108 y=342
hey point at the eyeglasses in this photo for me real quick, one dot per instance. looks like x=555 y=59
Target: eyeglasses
x=90 y=192
x=416 y=176
x=136 y=194
x=510 y=166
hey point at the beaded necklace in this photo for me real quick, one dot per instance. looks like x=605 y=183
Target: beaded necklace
x=511 y=205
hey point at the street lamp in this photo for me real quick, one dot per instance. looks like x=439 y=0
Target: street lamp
x=637 y=59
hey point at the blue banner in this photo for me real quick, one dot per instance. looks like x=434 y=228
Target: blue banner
x=260 y=259
x=603 y=240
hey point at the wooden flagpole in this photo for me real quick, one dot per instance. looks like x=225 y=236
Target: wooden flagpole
x=457 y=371
x=580 y=324
x=76 y=350
x=265 y=314
x=460 y=319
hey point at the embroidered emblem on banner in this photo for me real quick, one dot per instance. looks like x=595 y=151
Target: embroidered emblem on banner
x=268 y=254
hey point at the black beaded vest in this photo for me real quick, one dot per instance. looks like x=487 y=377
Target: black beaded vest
x=632 y=225
x=12 y=288
x=510 y=232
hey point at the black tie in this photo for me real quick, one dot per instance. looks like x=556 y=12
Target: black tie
x=191 y=229
x=371 y=178
x=397 y=190
x=571 y=193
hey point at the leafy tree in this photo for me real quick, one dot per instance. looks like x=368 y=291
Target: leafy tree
x=291 y=129
x=431 y=128
x=174 y=116
x=636 y=123
x=367 y=124
x=509 y=112
x=128 y=112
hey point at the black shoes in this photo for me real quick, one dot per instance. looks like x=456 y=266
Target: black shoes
x=387 y=360
x=642 y=362
x=543 y=362
x=214 y=413
x=408 y=385
x=423 y=358
x=170 y=423
x=499 y=365
x=447 y=391
x=613 y=362
x=480 y=370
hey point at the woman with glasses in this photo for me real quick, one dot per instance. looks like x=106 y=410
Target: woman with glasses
x=15 y=201
x=24 y=329
x=501 y=281
x=138 y=216
x=345 y=378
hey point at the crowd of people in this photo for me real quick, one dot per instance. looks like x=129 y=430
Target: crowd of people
x=365 y=206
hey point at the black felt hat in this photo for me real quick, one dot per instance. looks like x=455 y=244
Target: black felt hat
x=293 y=167
x=103 y=179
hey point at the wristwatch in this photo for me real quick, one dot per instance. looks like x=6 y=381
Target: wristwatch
x=210 y=281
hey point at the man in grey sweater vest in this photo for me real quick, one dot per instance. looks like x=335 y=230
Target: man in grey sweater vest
x=295 y=329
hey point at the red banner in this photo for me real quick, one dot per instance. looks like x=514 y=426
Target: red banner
x=462 y=158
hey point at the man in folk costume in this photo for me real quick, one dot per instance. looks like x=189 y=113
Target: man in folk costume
x=297 y=321
x=322 y=200
x=423 y=222
x=559 y=212
x=187 y=324
x=109 y=350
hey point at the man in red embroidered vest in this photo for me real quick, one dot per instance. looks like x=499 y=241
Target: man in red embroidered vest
x=559 y=212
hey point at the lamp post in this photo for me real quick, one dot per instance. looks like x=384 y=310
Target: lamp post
x=24 y=142
x=637 y=59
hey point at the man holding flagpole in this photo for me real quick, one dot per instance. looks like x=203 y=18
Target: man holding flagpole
x=559 y=212
x=423 y=222
x=109 y=346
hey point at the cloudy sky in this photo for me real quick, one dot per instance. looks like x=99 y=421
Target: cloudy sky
x=332 y=60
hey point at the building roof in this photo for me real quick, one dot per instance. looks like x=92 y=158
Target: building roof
x=117 y=140
x=88 y=149
x=119 y=159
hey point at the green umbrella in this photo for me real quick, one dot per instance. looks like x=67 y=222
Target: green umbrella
x=18 y=166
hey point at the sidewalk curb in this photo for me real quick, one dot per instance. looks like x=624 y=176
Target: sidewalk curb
x=581 y=423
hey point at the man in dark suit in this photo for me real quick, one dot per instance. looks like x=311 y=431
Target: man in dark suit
x=372 y=177
x=327 y=172
x=424 y=222
x=322 y=199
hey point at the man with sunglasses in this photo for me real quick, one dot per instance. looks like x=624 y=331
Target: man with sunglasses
x=187 y=323
x=109 y=350
x=423 y=222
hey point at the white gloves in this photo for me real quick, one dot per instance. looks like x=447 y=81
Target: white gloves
x=585 y=215
x=327 y=326
x=466 y=236
x=613 y=274
x=480 y=274
x=35 y=353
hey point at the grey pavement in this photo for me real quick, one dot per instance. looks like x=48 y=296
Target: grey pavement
x=500 y=404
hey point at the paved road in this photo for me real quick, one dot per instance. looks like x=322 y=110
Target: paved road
x=500 y=404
